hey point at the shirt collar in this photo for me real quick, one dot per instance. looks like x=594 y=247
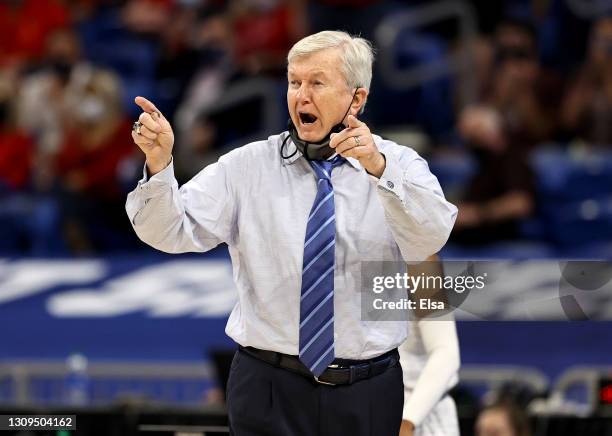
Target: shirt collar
x=291 y=150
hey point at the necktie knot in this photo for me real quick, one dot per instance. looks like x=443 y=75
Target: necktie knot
x=323 y=168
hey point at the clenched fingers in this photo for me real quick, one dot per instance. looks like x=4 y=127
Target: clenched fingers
x=354 y=128
x=346 y=139
x=144 y=143
x=147 y=133
x=358 y=152
x=147 y=121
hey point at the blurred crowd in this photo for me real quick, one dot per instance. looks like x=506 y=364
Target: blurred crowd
x=69 y=71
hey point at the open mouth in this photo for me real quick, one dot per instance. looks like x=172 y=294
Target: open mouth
x=306 y=118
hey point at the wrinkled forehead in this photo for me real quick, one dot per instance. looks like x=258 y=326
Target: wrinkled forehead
x=327 y=62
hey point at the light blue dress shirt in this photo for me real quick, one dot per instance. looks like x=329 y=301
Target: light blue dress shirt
x=258 y=203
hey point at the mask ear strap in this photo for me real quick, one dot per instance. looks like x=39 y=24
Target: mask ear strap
x=349 y=108
x=283 y=147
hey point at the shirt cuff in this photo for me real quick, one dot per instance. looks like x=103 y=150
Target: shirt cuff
x=391 y=179
x=163 y=179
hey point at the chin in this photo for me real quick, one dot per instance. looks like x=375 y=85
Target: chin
x=311 y=135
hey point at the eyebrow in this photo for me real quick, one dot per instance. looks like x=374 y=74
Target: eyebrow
x=320 y=73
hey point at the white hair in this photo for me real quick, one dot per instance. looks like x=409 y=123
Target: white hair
x=356 y=53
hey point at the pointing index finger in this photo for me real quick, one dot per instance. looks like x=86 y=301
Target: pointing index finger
x=146 y=105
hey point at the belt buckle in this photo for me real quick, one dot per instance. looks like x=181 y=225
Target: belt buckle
x=324 y=382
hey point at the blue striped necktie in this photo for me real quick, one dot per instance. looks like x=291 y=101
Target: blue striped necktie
x=317 y=297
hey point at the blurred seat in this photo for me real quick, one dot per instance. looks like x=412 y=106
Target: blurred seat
x=453 y=170
x=30 y=225
x=574 y=195
x=430 y=104
x=564 y=175
x=415 y=69
x=517 y=250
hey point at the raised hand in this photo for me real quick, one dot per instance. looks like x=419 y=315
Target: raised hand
x=155 y=138
x=356 y=141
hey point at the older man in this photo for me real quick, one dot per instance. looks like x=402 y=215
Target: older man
x=300 y=211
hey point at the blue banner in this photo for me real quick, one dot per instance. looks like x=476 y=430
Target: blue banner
x=159 y=307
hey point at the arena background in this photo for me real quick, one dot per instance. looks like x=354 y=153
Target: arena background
x=509 y=101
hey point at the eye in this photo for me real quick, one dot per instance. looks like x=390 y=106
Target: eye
x=294 y=83
x=318 y=83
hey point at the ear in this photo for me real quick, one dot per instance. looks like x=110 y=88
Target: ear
x=359 y=100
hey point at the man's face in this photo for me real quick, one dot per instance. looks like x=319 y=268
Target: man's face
x=317 y=94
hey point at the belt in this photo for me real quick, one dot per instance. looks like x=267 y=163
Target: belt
x=339 y=372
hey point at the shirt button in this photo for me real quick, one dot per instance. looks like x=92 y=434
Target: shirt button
x=390 y=184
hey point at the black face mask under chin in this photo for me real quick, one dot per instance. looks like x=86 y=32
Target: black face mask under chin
x=314 y=150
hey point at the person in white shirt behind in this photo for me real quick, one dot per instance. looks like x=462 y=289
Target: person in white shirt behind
x=430 y=363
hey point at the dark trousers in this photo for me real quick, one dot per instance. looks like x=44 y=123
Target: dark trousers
x=264 y=400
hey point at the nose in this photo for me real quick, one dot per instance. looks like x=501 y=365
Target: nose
x=303 y=94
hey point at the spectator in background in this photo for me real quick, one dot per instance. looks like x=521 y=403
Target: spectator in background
x=512 y=117
x=212 y=44
x=178 y=58
x=27 y=223
x=91 y=162
x=587 y=109
x=147 y=17
x=519 y=91
x=264 y=32
x=16 y=146
x=236 y=42
x=212 y=40
x=61 y=68
x=502 y=192
x=215 y=131
x=197 y=148
x=502 y=418
x=125 y=38
x=62 y=73
x=25 y=26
